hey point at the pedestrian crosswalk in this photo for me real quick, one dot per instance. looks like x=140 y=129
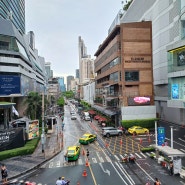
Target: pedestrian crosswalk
x=94 y=159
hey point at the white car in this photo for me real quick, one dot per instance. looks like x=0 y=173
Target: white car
x=73 y=117
x=87 y=118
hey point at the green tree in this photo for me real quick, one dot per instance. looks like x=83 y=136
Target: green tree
x=68 y=94
x=34 y=105
x=61 y=102
x=126 y=6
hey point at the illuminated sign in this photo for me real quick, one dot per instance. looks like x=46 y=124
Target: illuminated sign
x=139 y=100
x=33 y=131
x=175 y=91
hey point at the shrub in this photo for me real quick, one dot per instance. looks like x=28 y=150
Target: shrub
x=146 y=123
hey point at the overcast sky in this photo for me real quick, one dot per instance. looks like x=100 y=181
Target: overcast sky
x=57 y=24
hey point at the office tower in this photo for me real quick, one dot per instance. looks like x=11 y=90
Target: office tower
x=14 y=10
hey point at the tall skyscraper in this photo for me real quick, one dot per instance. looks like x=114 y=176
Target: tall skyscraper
x=14 y=10
x=69 y=78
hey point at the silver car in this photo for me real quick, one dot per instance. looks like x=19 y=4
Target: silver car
x=111 y=132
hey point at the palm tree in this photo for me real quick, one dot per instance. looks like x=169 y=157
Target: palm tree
x=34 y=105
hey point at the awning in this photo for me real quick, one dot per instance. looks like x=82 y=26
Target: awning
x=170 y=152
x=6 y=105
x=92 y=112
x=111 y=98
x=101 y=109
x=110 y=113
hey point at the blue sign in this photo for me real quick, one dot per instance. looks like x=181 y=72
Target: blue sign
x=9 y=84
x=160 y=136
x=175 y=91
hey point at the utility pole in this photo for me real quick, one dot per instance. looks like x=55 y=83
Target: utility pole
x=43 y=133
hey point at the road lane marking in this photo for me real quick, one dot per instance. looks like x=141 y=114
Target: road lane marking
x=58 y=164
x=125 y=173
x=119 y=173
x=94 y=160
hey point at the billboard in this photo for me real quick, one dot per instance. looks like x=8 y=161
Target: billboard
x=138 y=100
x=160 y=136
x=9 y=84
x=175 y=91
x=11 y=138
x=33 y=129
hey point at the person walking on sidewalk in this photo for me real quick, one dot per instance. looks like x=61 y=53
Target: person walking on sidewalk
x=4 y=173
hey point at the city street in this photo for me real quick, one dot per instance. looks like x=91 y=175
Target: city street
x=105 y=157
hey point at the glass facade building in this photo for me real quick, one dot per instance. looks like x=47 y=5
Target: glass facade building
x=14 y=10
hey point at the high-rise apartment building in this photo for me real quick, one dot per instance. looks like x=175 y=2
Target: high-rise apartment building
x=14 y=10
x=69 y=78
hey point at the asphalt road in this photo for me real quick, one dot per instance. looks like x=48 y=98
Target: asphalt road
x=104 y=166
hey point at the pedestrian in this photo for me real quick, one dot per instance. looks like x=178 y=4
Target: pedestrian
x=63 y=126
x=4 y=173
x=66 y=158
x=171 y=167
x=59 y=181
x=157 y=182
x=87 y=154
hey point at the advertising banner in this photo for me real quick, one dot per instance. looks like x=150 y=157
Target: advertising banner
x=11 y=138
x=9 y=84
x=33 y=130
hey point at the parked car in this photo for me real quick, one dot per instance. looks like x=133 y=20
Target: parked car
x=111 y=131
x=138 y=130
x=87 y=138
x=73 y=153
x=73 y=117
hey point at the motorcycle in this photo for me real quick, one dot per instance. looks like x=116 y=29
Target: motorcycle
x=125 y=158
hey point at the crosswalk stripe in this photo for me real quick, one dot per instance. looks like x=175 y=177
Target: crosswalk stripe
x=182 y=150
x=117 y=158
x=138 y=155
x=143 y=155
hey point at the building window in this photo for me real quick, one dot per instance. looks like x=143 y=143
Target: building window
x=114 y=77
x=131 y=76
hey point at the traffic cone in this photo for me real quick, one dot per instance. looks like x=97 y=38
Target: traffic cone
x=121 y=142
x=87 y=163
x=149 y=140
x=106 y=145
x=84 y=174
x=141 y=141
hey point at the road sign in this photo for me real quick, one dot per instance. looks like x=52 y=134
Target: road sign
x=160 y=136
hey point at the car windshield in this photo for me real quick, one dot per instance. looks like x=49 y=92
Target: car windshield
x=71 y=152
x=132 y=127
x=84 y=136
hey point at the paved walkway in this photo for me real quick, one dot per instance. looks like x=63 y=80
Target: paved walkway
x=22 y=164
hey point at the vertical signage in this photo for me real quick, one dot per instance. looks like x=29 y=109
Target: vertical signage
x=160 y=135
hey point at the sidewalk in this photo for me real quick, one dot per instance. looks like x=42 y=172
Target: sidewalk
x=23 y=164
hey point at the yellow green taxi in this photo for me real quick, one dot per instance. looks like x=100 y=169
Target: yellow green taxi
x=73 y=153
x=87 y=138
x=138 y=130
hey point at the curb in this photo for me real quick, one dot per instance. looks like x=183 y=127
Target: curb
x=31 y=169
